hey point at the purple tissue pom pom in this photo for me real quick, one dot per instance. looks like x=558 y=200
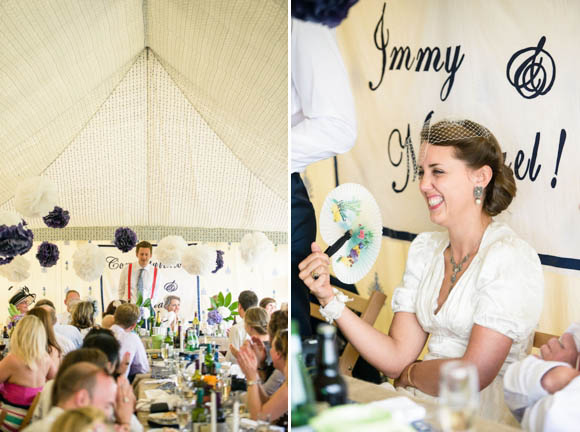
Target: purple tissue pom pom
x=15 y=240
x=219 y=261
x=125 y=239
x=47 y=254
x=327 y=12
x=58 y=218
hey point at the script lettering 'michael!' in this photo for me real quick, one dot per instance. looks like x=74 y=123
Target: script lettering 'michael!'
x=426 y=59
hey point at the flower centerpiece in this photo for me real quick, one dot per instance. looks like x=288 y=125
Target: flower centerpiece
x=145 y=310
x=222 y=312
x=15 y=316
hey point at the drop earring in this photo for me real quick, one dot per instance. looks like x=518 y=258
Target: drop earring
x=477 y=193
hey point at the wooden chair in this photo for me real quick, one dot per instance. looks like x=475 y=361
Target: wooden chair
x=369 y=310
x=542 y=338
x=29 y=413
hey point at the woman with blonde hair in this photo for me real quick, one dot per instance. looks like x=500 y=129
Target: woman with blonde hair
x=24 y=371
x=256 y=326
x=52 y=346
x=86 y=419
x=83 y=316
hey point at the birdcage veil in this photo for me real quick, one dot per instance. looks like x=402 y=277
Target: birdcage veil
x=452 y=130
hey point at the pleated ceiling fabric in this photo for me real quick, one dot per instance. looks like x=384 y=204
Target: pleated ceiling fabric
x=164 y=115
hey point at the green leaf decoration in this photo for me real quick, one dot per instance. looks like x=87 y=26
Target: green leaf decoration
x=228 y=299
x=213 y=303
x=210 y=309
x=139 y=300
x=234 y=306
x=221 y=298
x=147 y=303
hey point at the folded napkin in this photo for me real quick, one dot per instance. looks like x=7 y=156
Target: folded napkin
x=156 y=396
x=389 y=415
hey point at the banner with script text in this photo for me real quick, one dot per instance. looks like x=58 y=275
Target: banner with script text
x=510 y=66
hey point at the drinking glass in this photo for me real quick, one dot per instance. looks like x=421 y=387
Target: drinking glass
x=183 y=415
x=458 y=396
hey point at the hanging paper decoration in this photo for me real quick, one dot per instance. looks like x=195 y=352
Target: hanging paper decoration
x=199 y=260
x=57 y=218
x=47 y=254
x=125 y=239
x=88 y=262
x=35 y=197
x=254 y=247
x=170 y=250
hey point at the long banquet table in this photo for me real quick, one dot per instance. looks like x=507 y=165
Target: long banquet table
x=364 y=392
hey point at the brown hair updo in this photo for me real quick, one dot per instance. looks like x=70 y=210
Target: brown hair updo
x=477 y=147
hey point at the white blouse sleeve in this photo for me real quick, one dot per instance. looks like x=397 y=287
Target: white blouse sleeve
x=510 y=294
x=405 y=295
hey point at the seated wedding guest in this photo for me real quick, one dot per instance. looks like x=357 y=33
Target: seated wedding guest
x=22 y=299
x=269 y=304
x=544 y=393
x=477 y=288
x=259 y=404
x=84 y=384
x=170 y=312
x=52 y=347
x=83 y=316
x=278 y=322
x=24 y=370
x=65 y=342
x=109 y=314
x=71 y=298
x=269 y=375
x=126 y=317
x=256 y=325
x=91 y=355
x=238 y=336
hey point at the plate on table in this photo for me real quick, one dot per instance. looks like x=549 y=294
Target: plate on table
x=163 y=418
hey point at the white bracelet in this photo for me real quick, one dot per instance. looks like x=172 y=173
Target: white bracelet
x=333 y=310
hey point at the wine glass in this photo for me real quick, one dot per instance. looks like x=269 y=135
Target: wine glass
x=458 y=396
x=183 y=410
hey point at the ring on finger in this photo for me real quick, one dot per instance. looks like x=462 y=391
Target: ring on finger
x=315 y=275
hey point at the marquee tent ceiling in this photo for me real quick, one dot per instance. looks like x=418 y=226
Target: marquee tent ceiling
x=166 y=116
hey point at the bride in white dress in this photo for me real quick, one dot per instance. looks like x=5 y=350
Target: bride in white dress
x=477 y=288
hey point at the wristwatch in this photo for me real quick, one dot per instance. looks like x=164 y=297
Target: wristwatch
x=253 y=382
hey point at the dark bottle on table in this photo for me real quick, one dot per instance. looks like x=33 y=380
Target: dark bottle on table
x=302 y=398
x=330 y=386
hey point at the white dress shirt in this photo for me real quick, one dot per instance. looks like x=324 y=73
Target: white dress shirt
x=131 y=343
x=148 y=272
x=532 y=404
x=323 y=115
x=238 y=336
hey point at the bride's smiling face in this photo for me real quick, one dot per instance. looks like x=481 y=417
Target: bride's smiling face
x=446 y=183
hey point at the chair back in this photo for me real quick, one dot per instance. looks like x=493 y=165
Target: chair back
x=542 y=338
x=368 y=309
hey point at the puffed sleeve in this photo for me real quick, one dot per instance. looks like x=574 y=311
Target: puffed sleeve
x=510 y=291
x=420 y=252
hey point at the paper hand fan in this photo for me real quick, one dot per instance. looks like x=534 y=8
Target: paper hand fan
x=351 y=223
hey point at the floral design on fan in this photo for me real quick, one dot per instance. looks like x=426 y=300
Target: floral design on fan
x=361 y=238
x=345 y=211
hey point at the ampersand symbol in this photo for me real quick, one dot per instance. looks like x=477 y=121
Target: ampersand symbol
x=532 y=71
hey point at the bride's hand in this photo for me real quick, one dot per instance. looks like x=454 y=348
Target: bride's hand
x=316 y=264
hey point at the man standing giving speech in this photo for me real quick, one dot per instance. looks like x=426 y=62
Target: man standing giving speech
x=140 y=277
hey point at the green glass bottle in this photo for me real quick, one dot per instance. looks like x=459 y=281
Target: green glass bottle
x=198 y=414
x=302 y=394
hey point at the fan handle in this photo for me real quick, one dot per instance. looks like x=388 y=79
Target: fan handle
x=332 y=249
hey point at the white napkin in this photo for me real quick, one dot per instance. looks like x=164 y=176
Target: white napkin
x=155 y=396
x=402 y=409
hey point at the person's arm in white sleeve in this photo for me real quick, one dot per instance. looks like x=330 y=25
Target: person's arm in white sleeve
x=140 y=364
x=320 y=81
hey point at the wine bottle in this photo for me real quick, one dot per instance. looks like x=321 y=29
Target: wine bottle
x=301 y=394
x=329 y=384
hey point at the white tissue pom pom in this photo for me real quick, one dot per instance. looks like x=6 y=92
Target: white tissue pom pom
x=16 y=270
x=9 y=218
x=198 y=260
x=89 y=262
x=35 y=197
x=170 y=250
x=254 y=247
x=224 y=312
